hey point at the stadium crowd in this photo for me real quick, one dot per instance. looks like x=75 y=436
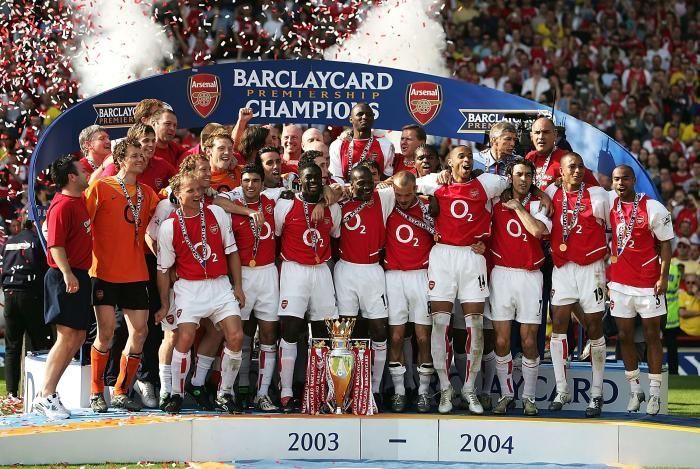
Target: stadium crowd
x=631 y=75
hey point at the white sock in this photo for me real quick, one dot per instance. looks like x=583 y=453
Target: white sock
x=202 y=366
x=230 y=364
x=504 y=369
x=474 y=348
x=488 y=372
x=655 y=384
x=288 y=356
x=408 y=360
x=266 y=368
x=530 y=372
x=244 y=372
x=559 y=349
x=598 y=365
x=166 y=378
x=379 y=351
x=396 y=370
x=179 y=367
x=440 y=347
x=425 y=374
x=633 y=378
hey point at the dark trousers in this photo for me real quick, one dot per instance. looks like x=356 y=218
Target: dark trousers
x=148 y=371
x=671 y=343
x=24 y=313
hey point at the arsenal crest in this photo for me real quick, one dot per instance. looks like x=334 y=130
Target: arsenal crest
x=204 y=92
x=170 y=319
x=284 y=304
x=424 y=100
x=213 y=229
x=431 y=284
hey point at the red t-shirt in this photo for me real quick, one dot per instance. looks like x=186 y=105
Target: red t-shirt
x=156 y=175
x=68 y=225
x=363 y=235
x=171 y=153
x=552 y=171
x=87 y=166
x=245 y=239
x=407 y=245
x=511 y=244
x=402 y=164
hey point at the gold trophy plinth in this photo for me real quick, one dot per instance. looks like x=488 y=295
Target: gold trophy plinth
x=341 y=362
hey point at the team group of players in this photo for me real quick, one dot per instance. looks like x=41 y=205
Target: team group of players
x=456 y=252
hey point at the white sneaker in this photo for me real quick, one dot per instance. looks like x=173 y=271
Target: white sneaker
x=264 y=404
x=472 y=401
x=147 y=393
x=654 y=405
x=50 y=407
x=636 y=399
x=559 y=401
x=445 y=406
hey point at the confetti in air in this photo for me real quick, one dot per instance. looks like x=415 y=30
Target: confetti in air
x=119 y=41
x=404 y=34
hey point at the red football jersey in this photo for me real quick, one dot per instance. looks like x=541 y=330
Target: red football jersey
x=638 y=265
x=464 y=215
x=68 y=225
x=156 y=175
x=245 y=238
x=381 y=151
x=511 y=244
x=403 y=164
x=297 y=238
x=586 y=243
x=407 y=245
x=364 y=235
x=552 y=171
x=173 y=249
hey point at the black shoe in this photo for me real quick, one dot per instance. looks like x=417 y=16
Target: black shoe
x=595 y=407
x=379 y=400
x=228 y=404
x=290 y=405
x=98 y=403
x=122 y=401
x=173 y=404
x=200 y=396
x=164 y=399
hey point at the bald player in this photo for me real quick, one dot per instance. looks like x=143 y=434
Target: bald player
x=291 y=144
x=310 y=136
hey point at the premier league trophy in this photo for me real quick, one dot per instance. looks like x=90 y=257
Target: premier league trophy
x=341 y=363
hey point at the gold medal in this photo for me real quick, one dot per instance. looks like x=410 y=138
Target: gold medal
x=563 y=247
x=436 y=237
x=613 y=259
x=252 y=263
x=318 y=259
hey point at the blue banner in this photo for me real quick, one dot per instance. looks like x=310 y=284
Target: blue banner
x=322 y=92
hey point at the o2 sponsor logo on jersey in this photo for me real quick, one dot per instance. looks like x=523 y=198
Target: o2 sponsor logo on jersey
x=424 y=101
x=480 y=120
x=204 y=93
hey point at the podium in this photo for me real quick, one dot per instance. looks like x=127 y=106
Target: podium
x=73 y=387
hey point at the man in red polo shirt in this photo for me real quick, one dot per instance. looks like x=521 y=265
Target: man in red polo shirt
x=164 y=122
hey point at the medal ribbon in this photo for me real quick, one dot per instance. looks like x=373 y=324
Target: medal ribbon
x=540 y=173
x=565 y=210
x=135 y=210
x=350 y=215
x=314 y=236
x=623 y=237
x=363 y=156
x=255 y=228
x=428 y=225
x=181 y=220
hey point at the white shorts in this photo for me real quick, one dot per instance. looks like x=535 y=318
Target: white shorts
x=457 y=271
x=407 y=295
x=360 y=287
x=458 y=321
x=516 y=294
x=628 y=306
x=307 y=287
x=209 y=298
x=262 y=292
x=169 y=322
x=584 y=284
